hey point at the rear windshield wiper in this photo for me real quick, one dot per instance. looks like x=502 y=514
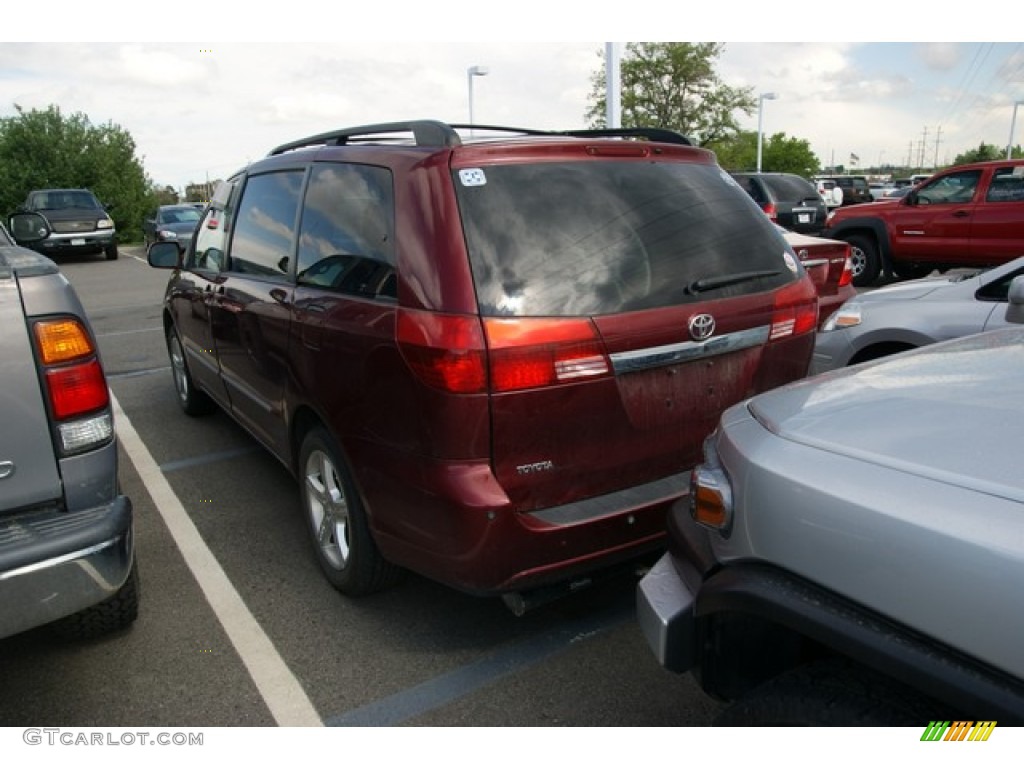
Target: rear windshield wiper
x=713 y=283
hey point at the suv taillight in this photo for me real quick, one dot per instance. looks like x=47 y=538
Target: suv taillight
x=771 y=210
x=75 y=385
x=455 y=353
x=796 y=310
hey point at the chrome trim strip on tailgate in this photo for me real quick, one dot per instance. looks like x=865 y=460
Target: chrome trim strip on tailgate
x=654 y=357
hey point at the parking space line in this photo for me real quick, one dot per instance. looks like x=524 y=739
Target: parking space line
x=442 y=690
x=281 y=691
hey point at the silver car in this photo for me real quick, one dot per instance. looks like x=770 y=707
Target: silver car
x=912 y=314
x=852 y=547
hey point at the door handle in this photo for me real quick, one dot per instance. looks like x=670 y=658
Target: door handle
x=961 y=214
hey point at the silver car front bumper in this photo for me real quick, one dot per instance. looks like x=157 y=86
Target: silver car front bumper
x=665 y=611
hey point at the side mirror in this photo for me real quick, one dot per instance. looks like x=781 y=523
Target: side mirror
x=164 y=255
x=28 y=228
x=1015 y=301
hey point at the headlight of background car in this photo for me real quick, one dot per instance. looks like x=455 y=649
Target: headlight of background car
x=166 y=234
x=846 y=316
x=104 y=224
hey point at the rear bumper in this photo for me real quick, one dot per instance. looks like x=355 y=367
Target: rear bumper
x=464 y=532
x=54 y=563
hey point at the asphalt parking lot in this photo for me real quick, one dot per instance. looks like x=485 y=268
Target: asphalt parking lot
x=238 y=628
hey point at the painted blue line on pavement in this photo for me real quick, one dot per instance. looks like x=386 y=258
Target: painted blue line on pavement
x=420 y=699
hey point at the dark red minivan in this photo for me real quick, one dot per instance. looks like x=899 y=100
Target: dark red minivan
x=491 y=360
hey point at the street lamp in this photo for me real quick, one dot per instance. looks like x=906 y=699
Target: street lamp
x=760 y=123
x=475 y=71
x=1013 y=121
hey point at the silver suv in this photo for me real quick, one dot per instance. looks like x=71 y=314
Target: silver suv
x=851 y=549
x=66 y=534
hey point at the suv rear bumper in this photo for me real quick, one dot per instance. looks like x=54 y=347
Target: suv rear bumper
x=55 y=563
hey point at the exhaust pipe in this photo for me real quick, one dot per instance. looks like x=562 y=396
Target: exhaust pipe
x=522 y=602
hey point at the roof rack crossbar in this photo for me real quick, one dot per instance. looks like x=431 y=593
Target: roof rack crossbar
x=426 y=133
x=651 y=134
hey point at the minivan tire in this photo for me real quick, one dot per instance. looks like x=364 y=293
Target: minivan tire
x=117 y=612
x=337 y=522
x=193 y=402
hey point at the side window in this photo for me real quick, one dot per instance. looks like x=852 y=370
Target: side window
x=346 y=240
x=1006 y=186
x=264 y=238
x=951 y=188
x=211 y=238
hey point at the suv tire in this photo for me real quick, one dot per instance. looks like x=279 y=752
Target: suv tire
x=111 y=252
x=866 y=262
x=193 y=401
x=829 y=693
x=116 y=612
x=337 y=522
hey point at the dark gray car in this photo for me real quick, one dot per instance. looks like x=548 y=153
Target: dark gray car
x=790 y=201
x=171 y=222
x=853 y=544
x=66 y=532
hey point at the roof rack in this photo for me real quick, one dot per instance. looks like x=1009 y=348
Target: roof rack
x=426 y=133
x=434 y=133
x=651 y=134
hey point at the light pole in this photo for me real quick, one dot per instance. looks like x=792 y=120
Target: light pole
x=760 y=123
x=475 y=71
x=1013 y=121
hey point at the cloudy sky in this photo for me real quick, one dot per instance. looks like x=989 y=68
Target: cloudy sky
x=202 y=110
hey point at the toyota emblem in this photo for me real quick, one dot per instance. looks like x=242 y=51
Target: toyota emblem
x=701 y=327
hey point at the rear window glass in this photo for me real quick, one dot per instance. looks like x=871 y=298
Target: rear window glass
x=564 y=239
x=790 y=189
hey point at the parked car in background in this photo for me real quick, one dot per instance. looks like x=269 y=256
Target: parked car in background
x=77 y=222
x=830 y=192
x=966 y=216
x=829 y=266
x=421 y=326
x=912 y=314
x=856 y=189
x=852 y=545
x=67 y=553
x=171 y=222
x=790 y=201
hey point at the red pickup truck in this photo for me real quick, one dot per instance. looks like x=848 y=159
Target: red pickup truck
x=966 y=216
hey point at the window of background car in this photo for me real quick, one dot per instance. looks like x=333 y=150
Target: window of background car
x=1007 y=186
x=346 y=239
x=790 y=188
x=210 y=240
x=264 y=238
x=951 y=188
x=564 y=239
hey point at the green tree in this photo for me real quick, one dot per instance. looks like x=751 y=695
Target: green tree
x=779 y=153
x=673 y=85
x=41 y=149
x=983 y=153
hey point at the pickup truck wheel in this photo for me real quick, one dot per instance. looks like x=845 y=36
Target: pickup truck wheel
x=193 y=401
x=866 y=263
x=111 y=251
x=116 y=612
x=337 y=520
x=829 y=693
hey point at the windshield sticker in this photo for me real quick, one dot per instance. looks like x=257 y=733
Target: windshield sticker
x=472 y=177
x=790 y=261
